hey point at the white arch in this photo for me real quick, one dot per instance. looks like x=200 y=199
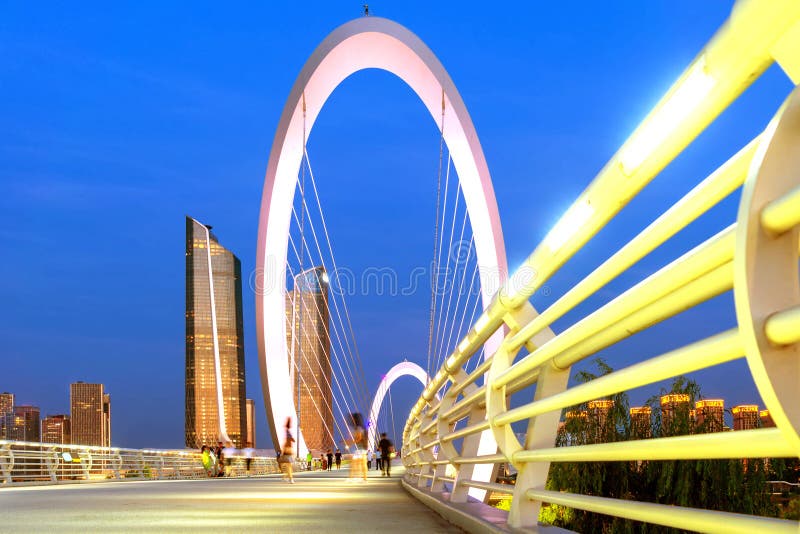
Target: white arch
x=405 y=368
x=367 y=42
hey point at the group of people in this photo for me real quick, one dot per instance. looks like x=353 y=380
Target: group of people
x=217 y=460
x=361 y=460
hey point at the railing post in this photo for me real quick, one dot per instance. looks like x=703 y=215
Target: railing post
x=6 y=462
x=51 y=462
x=86 y=463
x=117 y=465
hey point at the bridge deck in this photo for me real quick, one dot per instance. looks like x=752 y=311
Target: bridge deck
x=317 y=503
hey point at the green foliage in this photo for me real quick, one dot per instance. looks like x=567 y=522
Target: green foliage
x=792 y=510
x=727 y=485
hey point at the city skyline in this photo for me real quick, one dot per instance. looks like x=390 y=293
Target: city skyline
x=187 y=128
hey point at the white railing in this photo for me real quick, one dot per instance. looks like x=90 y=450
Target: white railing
x=755 y=258
x=47 y=463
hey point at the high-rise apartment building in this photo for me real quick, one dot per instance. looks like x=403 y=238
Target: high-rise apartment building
x=309 y=344
x=90 y=414
x=24 y=424
x=599 y=413
x=745 y=417
x=6 y=410
x=250 y=416
x=640 y=422
x=675 y=414
x=56 y=429
x=709 y=415
x=766 y=419
x=214 y=370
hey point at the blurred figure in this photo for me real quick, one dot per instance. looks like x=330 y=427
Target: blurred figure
x=387 y=448
x=228 y=452
x=330 y=460
x=358 y=465
x=208 y=460
x=220 y=459
x=287 y=454
x=309 y=459
x=248 y=458
x=338 y=456
x=369 y=459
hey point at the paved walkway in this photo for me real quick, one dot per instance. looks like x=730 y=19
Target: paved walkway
x=318 y=503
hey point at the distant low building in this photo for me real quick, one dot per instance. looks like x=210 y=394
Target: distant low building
x=56 y=429
x=25 y=424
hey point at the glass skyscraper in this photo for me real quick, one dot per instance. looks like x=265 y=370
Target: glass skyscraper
x=205 y=255
x=309 y=345
x=6 y=409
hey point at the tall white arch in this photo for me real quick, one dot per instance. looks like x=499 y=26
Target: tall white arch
x=364 y=43
x=405 y=368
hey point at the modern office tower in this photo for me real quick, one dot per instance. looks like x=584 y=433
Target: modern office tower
x=56 y=429
x=309 y=344
x=6 y=410
x=766 y=419
x=640 y=422
x=90 y=414
x=675 y=413
x=214 y=376
x=709 y=415
x=106 y=420
x=250 y=416
x=24 y=424
x=745 y=417
x=599 y=412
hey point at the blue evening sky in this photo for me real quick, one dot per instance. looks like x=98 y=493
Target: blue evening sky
x=117 y=119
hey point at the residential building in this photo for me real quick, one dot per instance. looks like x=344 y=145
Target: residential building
x=745 y=417
x=709 y=415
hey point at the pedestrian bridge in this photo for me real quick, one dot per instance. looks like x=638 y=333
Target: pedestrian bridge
x=319 y=501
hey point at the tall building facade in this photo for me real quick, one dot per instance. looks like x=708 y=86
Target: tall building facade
x=6 y=411
x=90 y=414
x=675 y=417
x=56 y=429
x=25 y=424
x=309 y=344
x=250 y=413
x=209 y=263
x=709 y=415
x=640 y=422
x=745 y=417
x=766 y=419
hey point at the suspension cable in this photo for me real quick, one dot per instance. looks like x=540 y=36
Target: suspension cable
x=434 y=276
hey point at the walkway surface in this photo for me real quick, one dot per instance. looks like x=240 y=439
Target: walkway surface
x=318 y=503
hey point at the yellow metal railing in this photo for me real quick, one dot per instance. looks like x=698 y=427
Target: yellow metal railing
x=756 y=258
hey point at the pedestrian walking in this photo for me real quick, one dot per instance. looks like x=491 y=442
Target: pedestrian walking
x=228 y=452
x=207 y=459
x=218 y=452
x=248 y=458
x=387 y=448
x=330 y=460
x=287 y=453
x=338 y=457
x=309 y=459
x=369 y=459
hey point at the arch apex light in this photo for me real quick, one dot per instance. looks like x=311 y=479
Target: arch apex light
x=364 y=43
x=404 y=368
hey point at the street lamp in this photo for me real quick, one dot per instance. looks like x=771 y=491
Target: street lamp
x=296 y=365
